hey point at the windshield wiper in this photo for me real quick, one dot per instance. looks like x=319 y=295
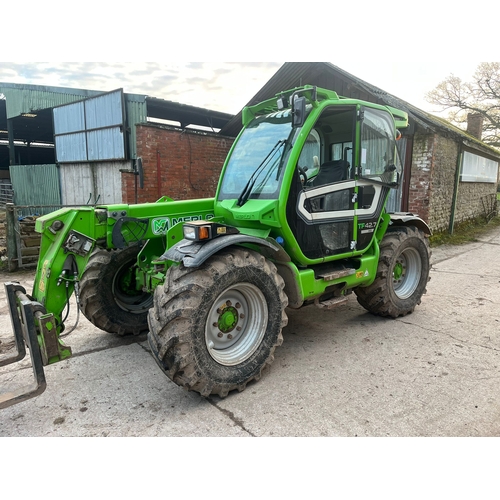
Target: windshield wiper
x=247 y=190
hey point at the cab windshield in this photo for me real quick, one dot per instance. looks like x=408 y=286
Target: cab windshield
x=255 y=167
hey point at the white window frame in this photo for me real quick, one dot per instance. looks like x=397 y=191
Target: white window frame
x=477 y=168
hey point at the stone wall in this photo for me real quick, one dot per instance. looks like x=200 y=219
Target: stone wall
x=432 y=184
x=443 y=182
x=474 y=199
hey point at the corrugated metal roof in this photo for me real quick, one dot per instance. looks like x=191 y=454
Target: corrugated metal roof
x=296 y=74
x=27 y=98
x=329 y=76
x=24 y=98
x=186 y=114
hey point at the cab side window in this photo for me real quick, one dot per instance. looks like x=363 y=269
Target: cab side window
x=377 y=143
x=311 y=153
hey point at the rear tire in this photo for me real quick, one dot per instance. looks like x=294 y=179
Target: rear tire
x=213 y=329
x=108 y=297
x=402 y=274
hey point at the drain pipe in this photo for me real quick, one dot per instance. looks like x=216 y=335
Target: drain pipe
x=458 y=170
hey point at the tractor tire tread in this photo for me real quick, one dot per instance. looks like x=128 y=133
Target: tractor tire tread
x=172 y=323
x=379 y=297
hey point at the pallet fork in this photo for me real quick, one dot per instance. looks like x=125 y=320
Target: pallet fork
x=35 y=329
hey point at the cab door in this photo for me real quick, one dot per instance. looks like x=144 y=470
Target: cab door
x=337 y=209
x=321 y=211
x=377 y=172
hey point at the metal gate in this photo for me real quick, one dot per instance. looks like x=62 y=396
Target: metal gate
x=23 y=243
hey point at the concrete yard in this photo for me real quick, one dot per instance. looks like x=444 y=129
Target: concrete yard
x=338 y=373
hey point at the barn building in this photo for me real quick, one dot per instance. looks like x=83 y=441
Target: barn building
x=62 y=146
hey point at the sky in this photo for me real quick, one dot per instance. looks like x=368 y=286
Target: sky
x=405 y=49
x=227 y=86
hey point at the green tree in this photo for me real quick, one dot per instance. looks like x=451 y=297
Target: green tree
x=481 y=95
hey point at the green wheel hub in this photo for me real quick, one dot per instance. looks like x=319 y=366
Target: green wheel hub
x=236 y=324
x=406 y=272
x=229 y=317
x=126 y=293
x=398 y=271
x=125 y=283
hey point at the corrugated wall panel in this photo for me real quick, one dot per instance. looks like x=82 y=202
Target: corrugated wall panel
x=136 y=109
x=20 y=100
x=73 y=175
x=109 y=182
x=105 y=144
x=99 y=183
x=69 y=118
x=71 y=147
x=104 y=111
x=24 y=99
x=35 y=184
x=101 y=118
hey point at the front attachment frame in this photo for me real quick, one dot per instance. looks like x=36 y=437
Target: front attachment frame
x=23 y=316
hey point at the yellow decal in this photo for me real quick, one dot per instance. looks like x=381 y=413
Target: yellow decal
x=359 y=274
x=41 y=284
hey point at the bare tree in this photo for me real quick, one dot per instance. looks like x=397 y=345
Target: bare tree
x=481 y=96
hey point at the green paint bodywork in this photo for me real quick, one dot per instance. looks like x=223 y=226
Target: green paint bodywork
x=162 y=222
x=97 y=224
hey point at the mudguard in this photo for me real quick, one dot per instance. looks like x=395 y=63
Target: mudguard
x=193 y=254
x=409 y=219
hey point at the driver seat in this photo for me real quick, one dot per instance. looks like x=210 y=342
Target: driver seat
x=331 y=171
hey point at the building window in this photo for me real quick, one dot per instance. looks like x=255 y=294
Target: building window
x=478 y=169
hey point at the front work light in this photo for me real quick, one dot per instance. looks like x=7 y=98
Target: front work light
x=203 y=230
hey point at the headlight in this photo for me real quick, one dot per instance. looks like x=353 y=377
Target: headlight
x=197 y=233
x=203 y=231
x=189 y=232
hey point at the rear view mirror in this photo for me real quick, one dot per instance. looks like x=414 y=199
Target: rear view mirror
x=299 y=111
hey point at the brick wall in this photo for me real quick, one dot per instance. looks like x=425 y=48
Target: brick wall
x=421 y=171
x=190 y=163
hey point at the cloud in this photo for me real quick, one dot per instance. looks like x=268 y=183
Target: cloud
x=220 y=86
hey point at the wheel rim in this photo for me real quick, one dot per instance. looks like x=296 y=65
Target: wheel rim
x=406 y=272
x=125 y=293
x=236 y=324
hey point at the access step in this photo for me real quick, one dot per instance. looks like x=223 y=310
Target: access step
x=330 y=303
x=337 y=274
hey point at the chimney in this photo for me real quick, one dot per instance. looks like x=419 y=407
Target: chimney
x=475 y=125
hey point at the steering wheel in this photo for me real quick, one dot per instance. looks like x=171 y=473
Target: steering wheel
x=302 y=174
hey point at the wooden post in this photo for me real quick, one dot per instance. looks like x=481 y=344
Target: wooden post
x=10 y=217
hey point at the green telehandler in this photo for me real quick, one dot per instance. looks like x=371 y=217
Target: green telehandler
x=298 y=219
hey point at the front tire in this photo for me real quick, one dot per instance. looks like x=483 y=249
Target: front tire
x=109 y=298
x=402 y=274
x=213 y=329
